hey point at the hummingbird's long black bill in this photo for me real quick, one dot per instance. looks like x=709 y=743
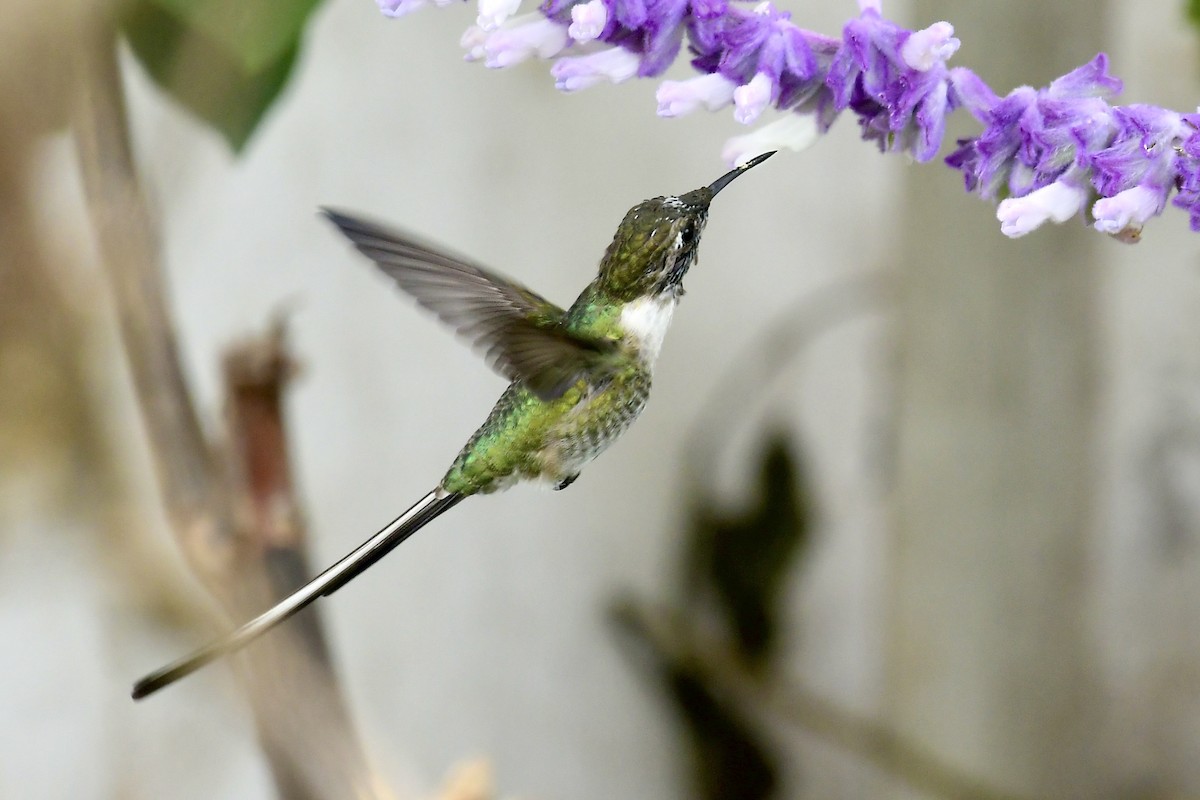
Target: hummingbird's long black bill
x=342 y=572
x=723 y=181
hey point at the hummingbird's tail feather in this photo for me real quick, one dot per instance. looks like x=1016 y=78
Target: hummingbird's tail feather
x=335 y=577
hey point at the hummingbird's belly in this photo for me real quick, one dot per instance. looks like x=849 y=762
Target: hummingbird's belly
x=528 y=438
x=586 y=431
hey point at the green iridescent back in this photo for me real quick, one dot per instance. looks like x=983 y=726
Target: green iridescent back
x=526 y=437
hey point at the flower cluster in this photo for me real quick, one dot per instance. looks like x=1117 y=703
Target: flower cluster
x=1044 y=154
x=1048 y=154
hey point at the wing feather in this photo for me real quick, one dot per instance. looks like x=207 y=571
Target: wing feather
x=521 y=334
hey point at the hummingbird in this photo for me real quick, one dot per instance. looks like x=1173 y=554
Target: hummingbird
x=579 y=377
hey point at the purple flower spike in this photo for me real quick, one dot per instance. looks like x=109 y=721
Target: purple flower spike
x=1031 y=137
x=1045 y=154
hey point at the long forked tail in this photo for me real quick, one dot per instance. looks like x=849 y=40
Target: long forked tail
x=335 y=577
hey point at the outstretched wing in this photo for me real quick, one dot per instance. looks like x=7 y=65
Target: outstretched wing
x=519 y=331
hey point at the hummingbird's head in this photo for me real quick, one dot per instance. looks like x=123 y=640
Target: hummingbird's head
x=656 y=243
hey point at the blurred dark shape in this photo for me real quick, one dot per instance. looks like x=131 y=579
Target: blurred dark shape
x=735 y=568
x=728 y=757
x=225 y=60
x=1169 y=472
x=742 y=560
x=729 y=761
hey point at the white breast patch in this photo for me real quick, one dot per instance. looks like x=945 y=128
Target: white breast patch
x=646 y=320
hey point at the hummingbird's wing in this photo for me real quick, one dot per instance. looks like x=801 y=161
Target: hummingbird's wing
x=520 y=332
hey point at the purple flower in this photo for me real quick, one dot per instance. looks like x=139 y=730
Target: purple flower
x=1144 y=149
x=473 y=40
x=1124 y=214
x=1032 y=136
x=752 y=41
x=1058 y=201
x=493 y=13
x=650 y=29
x=661 y=35
x=929 y=48
x=1138 y=169
x=580 y=72
x=1045 y=155
x=588 y=20
x=1188 y=164
x=896 y=82
x=744 y=45
x=752 y=98
x=676 y=98
x=516 y=41
x=709 y=9
x=791 y=132
x=1130 y=157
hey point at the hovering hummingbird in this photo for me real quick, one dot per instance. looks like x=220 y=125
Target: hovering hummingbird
x=580 y=377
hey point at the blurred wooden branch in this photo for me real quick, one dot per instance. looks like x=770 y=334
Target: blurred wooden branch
x=302 y=719
x=234 y=514
x=129 y=246
x=780 y=703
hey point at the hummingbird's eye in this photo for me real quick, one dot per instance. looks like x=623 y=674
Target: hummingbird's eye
x=688 y=234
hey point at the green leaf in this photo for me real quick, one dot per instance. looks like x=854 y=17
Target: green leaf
x=256 y=33
x=1193 y=12
x=226 y=76
x=742 y=560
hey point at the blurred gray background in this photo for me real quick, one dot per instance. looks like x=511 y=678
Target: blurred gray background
x=1003 y=448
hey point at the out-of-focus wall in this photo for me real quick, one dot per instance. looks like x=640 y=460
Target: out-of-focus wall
x=987 y=659
x=1147 y=553
x=1041 y=627
x=486 y=634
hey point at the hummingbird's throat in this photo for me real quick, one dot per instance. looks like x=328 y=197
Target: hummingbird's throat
x=680 y=259
x=671 y=282
x=645 y=321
